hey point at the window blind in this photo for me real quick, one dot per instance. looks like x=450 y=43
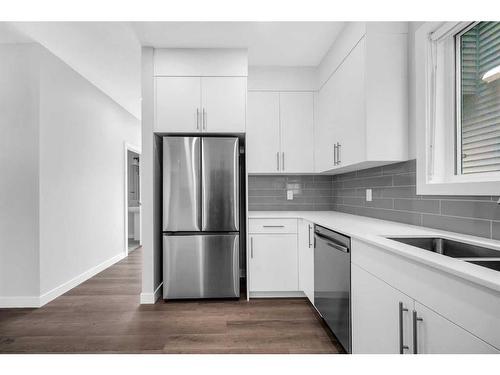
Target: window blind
x=480 y=100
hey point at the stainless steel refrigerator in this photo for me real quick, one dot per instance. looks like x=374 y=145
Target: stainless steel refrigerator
x=201 y=217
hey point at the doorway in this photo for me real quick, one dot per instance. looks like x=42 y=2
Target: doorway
x=133 y=200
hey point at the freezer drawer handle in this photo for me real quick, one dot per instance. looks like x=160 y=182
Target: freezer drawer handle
x=402 y=346
x=273 y=226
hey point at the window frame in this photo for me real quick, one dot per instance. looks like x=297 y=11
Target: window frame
x=438 y=115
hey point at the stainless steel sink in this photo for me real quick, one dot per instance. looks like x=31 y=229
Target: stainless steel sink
x=454 y=249
x=491 y=264
x=474 y=254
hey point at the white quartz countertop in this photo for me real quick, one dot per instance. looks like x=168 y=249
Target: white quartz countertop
x=374 y=231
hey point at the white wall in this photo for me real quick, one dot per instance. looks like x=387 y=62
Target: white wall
x=108 y=54
x=62 y=165
x=19 y=272
x=82 y=167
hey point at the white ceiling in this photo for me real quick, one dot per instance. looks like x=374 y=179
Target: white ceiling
x=268 y=43
x=9 y=34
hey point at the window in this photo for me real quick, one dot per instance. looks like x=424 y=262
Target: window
x=457 y=108
x=478 y=98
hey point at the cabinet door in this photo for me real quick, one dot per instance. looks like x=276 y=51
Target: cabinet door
x=325 y=136
x=297 y=133
x=177 y=104
x=375 y=315
x=349 y=111
x=273 y=263
x=224 y=104
x=438 y=335
x=263 y=132
x=306 y=258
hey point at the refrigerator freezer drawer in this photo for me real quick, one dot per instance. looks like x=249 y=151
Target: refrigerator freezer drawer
x=201 y=266
x=181 y=184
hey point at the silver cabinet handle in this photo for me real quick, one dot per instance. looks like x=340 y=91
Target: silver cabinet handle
x=309 y=237
x=273 y=226
x=283 y=159
x=338 y=153
x=251 y=247
x=278 y=161
x=334 y=154
x=197 y=119
x=204 y=119
x=402 y=346
x=415 y=338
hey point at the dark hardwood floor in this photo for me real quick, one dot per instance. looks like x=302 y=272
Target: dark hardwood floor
x=103 y=315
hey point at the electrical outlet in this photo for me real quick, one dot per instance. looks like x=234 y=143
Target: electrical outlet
x=289 y=195
x=368 y=195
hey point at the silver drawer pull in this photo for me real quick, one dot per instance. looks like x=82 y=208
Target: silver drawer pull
x=273 y=226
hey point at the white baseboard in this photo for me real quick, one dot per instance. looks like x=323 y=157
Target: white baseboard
x=61 y=289
x=35 y=301
x=293 y=294
x=19 y=302
x=151 y=298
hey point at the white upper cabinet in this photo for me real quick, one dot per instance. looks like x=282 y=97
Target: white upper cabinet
x=349 y=109
x=263 y=118
x=297 y=128
x=280 y=132
x=200 y=90
x=223 y=103
x=363 y=100
x=178 y=104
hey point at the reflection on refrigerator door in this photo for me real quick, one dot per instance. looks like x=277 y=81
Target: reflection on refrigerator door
x=220 y=188
x=181 y=184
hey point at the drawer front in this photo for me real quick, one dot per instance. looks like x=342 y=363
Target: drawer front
x=272 y=226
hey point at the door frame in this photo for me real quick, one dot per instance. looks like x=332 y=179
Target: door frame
x=126 y=148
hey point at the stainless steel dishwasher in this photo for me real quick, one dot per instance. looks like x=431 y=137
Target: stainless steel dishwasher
x=332 y=282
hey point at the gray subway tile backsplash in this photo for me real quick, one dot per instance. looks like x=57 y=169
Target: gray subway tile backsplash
x=481 y=228
x=394 y=198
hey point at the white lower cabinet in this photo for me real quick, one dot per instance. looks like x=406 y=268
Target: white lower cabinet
x=273 y=263
x=281 y=258
x=375 y=315
x=385 y=320
x=437 y=335
x=306 y=258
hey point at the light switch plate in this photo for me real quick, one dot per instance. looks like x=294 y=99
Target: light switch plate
x=368 y=195
x=289 y=195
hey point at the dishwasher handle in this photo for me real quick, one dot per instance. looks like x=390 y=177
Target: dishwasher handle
x=330 y=243
x=338 y=247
